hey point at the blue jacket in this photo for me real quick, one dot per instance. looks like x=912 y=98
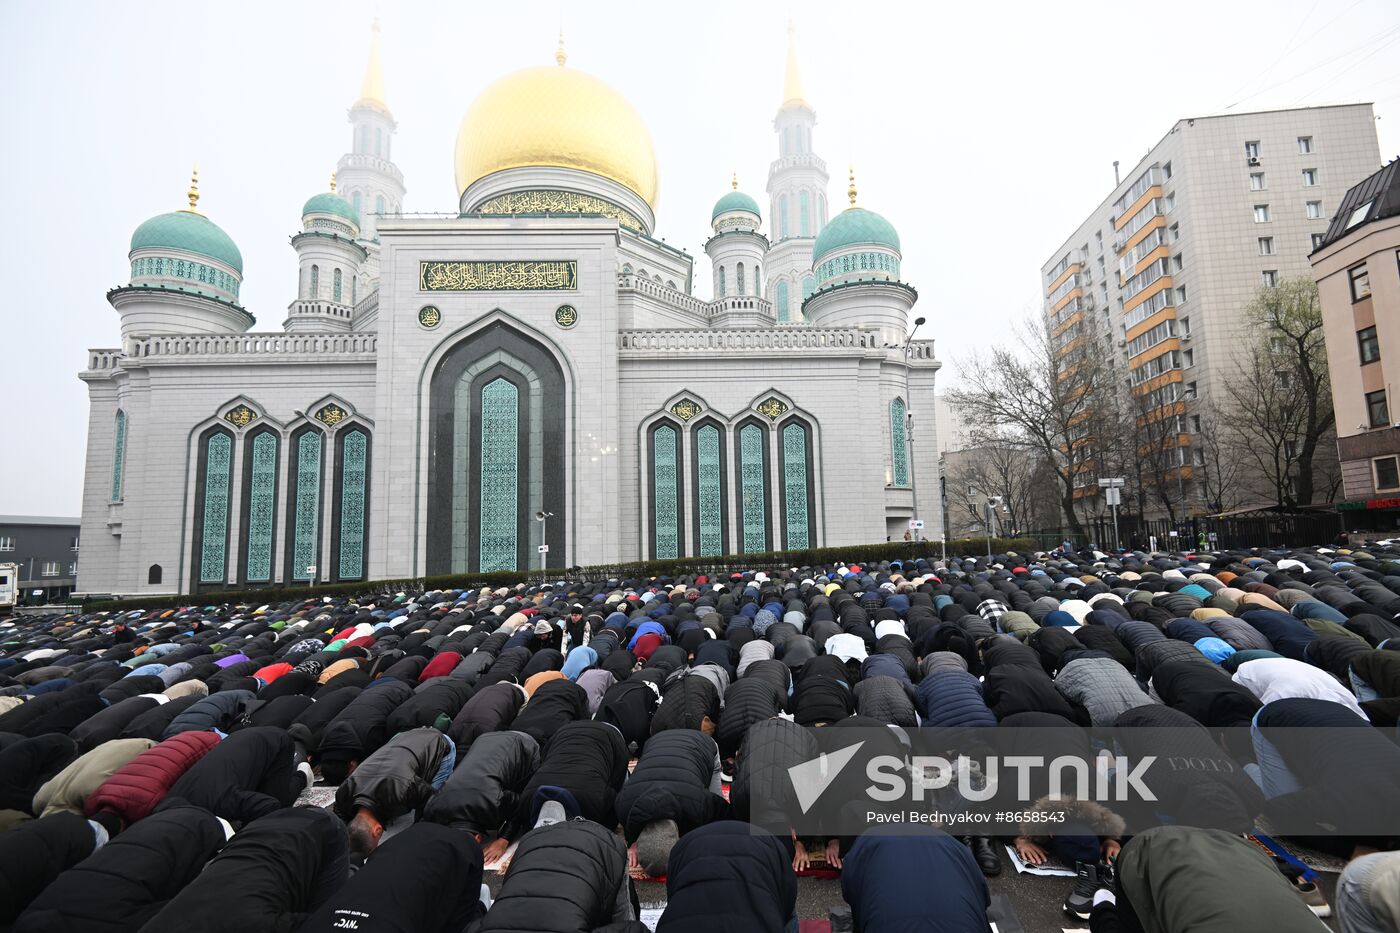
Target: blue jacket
x=952 y=698
x=1289 y=637
x=886 y=880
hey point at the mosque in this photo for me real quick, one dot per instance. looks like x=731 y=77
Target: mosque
x=531 y=379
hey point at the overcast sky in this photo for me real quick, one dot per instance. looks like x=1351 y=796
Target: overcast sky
x=984 y=131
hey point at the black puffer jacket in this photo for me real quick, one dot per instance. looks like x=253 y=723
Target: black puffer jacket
x=686 y=703
x=762 y=791
x=306 y=729
x=37 y=852
x=630 y=705
x=362 y=727
x=27 y=764
x=725 y=878
x=589 y=760
x=441 y=696
x=56 y=711
x=489 y=710
x=672 y=782
x=483 y=793
x=216 y=711
x=564 y=878
x=395 y=780
x=887 y=700
x=126 y=882
x=247 y=775
x=747 y=701
x=554 y=704
x=109 y=723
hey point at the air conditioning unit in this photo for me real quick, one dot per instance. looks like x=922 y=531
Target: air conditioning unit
x=1253 y=160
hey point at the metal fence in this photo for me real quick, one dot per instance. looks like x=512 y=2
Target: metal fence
x=1262 y=529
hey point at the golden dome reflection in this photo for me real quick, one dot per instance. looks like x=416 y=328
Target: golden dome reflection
x=558 y=117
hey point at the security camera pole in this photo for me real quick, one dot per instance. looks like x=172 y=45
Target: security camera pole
x=1113 y=495
x=909 y=432
x=543 y=518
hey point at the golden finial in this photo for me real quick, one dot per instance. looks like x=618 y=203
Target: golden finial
x=792 y=78
x=559 y=55
x=193 y=193
x=851 y=191
x=734 y=181
x=372 y=89
x=332 y=182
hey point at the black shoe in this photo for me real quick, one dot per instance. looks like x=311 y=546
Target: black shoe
x=984 y=850
x=1080 y=902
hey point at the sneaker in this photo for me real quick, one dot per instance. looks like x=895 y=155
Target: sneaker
x=1080 y=901
x=1312 y=896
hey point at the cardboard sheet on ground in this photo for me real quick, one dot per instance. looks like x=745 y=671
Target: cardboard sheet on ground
x=1051 y=869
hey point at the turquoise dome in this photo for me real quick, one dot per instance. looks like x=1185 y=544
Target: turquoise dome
x=328 y=203
x=855 y=226
x=190 y=232
x=735 y=201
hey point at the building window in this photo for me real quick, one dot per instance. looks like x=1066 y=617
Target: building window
x=899 y=442
x=809 y=285
x=1269 y=277
x=782 y=301
x=500 y=425
x=354 y=281
x=1387 y=472
x=335 y=286
x=1261 y=213
x=1167 y=169
x=797 y=518
x=73 y=569
x=709 y=490
x=1185 y=325
x=7 y=543
x=355 y=200
x=305 y=506
x=118 y=455
x=1189 y=392
x=1188 y=358
x=739 y=279
x=1256 y=181
x=1309 y=178
x=1175 y=232
x=48 y=568
x=1304 y=145
x=260 y=506
x=1180 y=295
x=753 y=491
x=1196 y=424
x=352 y=504
x=804 y=214
x=315 y=283
x=1251 y=149
x=1360 y=282
x=1368 y=344
x=721 y=282
x=1314 y=210
x=379 y=204
x=213 y=510
x=1376 y=409
x=1177 y=262
x=1317 y=240
x=666 y=493
x=1266 y=246
x=154 y=575
x=782 y=216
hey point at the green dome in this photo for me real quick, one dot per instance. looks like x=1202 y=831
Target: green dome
x=190 y=232
x=735 y=201
x=328 y=203
x=855 y=226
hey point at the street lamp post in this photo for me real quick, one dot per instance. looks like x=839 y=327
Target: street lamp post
x=543 y=518
x=909 y=428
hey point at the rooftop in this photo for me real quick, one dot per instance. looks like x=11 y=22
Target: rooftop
x=1375 y=198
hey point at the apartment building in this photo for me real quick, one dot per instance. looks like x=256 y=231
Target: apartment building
x=1357 y=268
x=1162 y=269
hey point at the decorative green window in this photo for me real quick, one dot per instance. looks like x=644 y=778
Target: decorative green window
x=118 y=455
x=782 y=216
x=809 y=285
x=899 y=444
x=666 y=490
x=500 y=478
x=796 y=521
x=721 y=282
x=782 y=301
x=710 y=491
x=804 y=214
x=335 y=284
x=218 y=470
x=753 y=508
x=354 y=281
x=261 y=506
x=315 y=283
x=379 y=204
x=739 y=279
x=355 y=200
x=306 y=520
x=354 y=462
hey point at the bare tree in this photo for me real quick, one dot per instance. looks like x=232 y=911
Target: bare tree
x=1044 y=396
x=996 y=465
x=1221 y=467
x=1283 y=392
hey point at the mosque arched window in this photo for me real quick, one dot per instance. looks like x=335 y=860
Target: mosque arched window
x=782 y=216
x=154 y=573
x=753 y=488
x=304 y=506
x=711 y=498
x=739 y=279
x=378 y=141
x=260 y=453
x=804 y=214
x=757 y=279
x=721 y=287
x=211 y=514
x=351 y=503
x=315 y=283
x=500 y=426
x=363 y=139
x=354 y=283
x=781 y=301
x=666 y=528
x=899 y=442
x=355 y=199
x=118 y=454
x=379 y=204
x=335 y=285
x=796 y=482
x=809 y=285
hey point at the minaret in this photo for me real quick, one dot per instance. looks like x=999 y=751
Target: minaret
x=797 y=183
x=369 y=179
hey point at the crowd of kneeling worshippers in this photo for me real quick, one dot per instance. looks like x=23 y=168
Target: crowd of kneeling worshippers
x=587 y=735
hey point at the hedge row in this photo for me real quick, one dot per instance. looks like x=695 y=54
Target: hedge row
x=686 y=566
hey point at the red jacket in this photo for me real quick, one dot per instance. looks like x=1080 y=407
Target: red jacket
x=139 y=786
x=441 y=665
x=271 y=672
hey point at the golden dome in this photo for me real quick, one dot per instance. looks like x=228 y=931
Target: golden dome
x=557 y=117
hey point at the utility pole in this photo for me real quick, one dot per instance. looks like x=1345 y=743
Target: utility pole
x=543 y=518
x=909 y=428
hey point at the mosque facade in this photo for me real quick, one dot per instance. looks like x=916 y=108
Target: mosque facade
x=530 y=378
